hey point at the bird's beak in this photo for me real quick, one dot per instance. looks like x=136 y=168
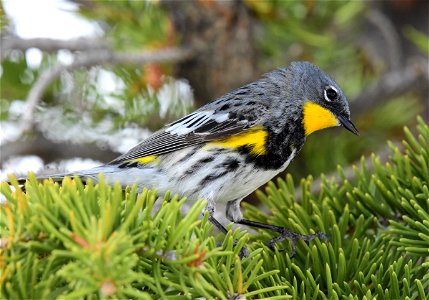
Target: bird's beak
x=344 y=121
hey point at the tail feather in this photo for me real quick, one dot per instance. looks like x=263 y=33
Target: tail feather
x=143 y=177
x=58 y=177
x=54 y=177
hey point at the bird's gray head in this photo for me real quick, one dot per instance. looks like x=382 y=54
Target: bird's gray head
x=316 y=94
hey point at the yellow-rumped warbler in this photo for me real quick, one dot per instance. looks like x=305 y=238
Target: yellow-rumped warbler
x=228 y=148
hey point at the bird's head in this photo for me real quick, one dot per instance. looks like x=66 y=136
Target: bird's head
x=323 y=103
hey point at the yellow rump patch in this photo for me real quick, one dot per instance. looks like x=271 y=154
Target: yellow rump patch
x=254 y=138
x=317 y=117
x=146 y=159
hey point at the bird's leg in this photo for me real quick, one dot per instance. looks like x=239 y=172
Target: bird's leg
x=234 y=214
x=211 y=209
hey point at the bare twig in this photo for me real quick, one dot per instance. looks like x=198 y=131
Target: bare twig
x=391 y=85
x=50 y=151
x=13 y=42
x=89 y=59
x=391 y=38
x=95 y=52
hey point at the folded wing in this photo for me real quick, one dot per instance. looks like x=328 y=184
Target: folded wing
x=193 y=129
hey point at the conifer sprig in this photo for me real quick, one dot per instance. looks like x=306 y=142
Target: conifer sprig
x=100 y=241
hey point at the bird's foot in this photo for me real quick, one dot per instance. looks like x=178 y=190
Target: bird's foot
x=294 y=237
x=244 y=252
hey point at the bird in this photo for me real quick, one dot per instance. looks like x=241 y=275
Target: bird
x=228 y=148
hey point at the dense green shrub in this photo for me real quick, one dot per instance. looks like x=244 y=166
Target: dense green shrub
x=98 y=241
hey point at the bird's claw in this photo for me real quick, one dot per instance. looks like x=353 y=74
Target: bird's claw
x=294 y=237
x=244 y=252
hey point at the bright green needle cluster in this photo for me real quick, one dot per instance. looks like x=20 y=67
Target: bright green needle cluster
x=97 y=241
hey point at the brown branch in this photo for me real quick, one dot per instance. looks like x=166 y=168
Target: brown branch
x=93 y=58
x=393 y=49
x=50 y=151
x=13 y=42
x=413 y=78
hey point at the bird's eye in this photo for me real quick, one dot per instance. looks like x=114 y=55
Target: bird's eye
x=330 y=93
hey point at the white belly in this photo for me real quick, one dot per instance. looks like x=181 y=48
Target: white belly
x=231 y=186
x=179 y=173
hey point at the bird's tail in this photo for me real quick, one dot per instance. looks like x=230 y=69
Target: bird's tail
x=143 y=177
x=55 y=177
x=84 y=175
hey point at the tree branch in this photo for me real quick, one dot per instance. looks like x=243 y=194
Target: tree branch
x=13 y=42
x=388 y=32
x=50 y=151
x=92 y=58
x=391 y=85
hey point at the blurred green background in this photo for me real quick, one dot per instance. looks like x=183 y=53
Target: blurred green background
x=73 y=103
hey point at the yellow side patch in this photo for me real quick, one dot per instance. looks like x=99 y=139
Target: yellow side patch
x=254 y=138
x=146 y=159
x=317 y=117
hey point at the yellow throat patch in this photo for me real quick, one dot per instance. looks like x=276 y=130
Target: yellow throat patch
x=317 y=117
x=254 y=138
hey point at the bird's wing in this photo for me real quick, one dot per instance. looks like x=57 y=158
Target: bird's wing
x=196 y=128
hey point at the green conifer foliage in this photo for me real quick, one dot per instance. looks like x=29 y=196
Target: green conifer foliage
x=98 y=241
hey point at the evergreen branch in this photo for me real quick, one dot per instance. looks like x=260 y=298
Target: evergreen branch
x=349 y=173
x=93 y=58
x=99 y=241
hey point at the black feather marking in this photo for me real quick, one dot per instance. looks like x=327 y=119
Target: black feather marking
x=196 y=120
x=128 y=165
x=212 y=177
x=188 y=155
x=241 y=92
x=198 y=165
x=231 y=164
x=206 y=160
x=190 y=116
x=224 y=107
